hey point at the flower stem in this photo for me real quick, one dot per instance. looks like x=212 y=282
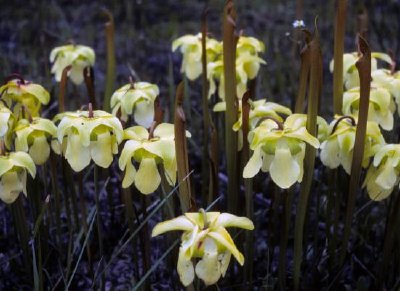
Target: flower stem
x=338 y=50
x=110 y=75
x=231 y=113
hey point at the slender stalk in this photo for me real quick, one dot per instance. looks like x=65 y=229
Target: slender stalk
x=185 y=196
x=205 y=166
x=288 y=201
x=315 y=88
x=63 y=89
x=98 y=218
x=83 y=208
x=130 y=218
x=248 y=183
x=56 y=193
x=338 y=50
x=88 y=75
x=110 y=75
x=364 y=70
x=231 y=113
x=304 y=76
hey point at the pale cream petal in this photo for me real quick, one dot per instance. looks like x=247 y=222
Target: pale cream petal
x=77 y=155
x=101 y=150
x=224 y=259
x=144 y=113
x=178 y=223
x=208 y=268
x=40 y=150
x=130 y=172
x=185 y=269
x=223 y=237
x=147 y=178
x=253 y=166
x=230 y=220
x=284 y=168
x=10 y=187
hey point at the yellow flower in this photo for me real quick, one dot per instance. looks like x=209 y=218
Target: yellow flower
x=19 y=93
x=190 y=47
x=205 y=237
x=337 y=149
x=139 y=98
x=148 y=151
x=78 y=56
x=7 y=120
x=383 y=174
x=381 y=106
x=279 y=149
x=13 y=168
x=350 y=73
x=84 y=137
x=33 y=137
x=391 y=82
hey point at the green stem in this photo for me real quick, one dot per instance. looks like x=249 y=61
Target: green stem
x=205 y=166
x=98 y=218
x=364 y=70
x=315 y=88
x=110 y=75
x=338 y=50
x=231 y=113
x=185 y=196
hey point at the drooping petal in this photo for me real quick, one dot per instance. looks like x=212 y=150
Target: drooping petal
x=224 y=238
x=101 y=150
x=130 y=173
x=208 y=268
x=127 y=152
x=144 y=113
x=387 y=177
x=330 y=153
x=78 y=156
x=230 y=220
x=224 y=259
x=147 y=178
x=284 y=168
x=23 y=160
x=40 y=150
x=178 y=223
x=185 y=269
x=254 y=164
x=10 y=186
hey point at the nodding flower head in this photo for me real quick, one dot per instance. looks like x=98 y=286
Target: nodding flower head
x=350 y=73
x=13 y=169
x=87 y=135
x=205 y=238
x=247 y=64
x=381 y=106
x=33 y=137
x=191 y=49
x=22 y=96
x=77 y=56
x=7 y=121
x=338 y=148
x=279 y=149
x=149 y=150
x=383 y=174
x=137 y=98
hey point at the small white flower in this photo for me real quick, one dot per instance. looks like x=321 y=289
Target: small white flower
x=298 y=23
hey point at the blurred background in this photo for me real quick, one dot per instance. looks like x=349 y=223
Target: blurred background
x=144 y=31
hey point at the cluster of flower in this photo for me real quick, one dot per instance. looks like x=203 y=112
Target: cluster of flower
x=383 y=173
x=81 y=136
